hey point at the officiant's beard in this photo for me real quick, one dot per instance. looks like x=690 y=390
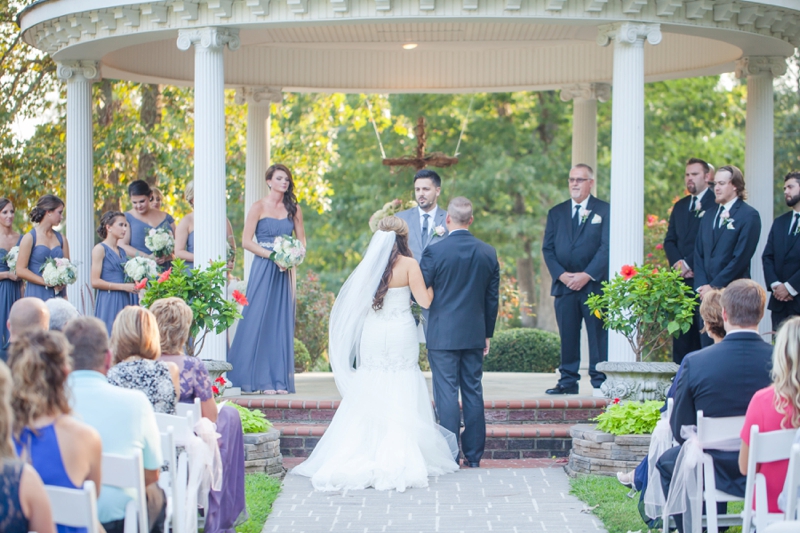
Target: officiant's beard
x=792 y=201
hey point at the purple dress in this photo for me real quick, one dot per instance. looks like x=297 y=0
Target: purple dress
x=110 y=303
x=226 y=507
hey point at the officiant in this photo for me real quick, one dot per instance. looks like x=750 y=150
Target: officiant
x=426 y=222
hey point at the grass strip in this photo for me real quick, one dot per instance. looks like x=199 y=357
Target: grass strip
x=260 y=492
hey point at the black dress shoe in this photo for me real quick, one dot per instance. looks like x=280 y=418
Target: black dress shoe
x=560 y=389
x=470 y=464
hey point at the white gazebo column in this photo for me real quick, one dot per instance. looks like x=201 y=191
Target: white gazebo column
x=759 y=165
x=79 y=200
x=259 y=101
x=209 y=151
x=627 y=153
x=584 y=98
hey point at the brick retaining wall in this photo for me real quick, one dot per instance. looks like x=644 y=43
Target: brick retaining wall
x=596 y=452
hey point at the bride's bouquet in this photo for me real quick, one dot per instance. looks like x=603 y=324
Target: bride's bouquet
x=287 y=251
x=59 y=271
x=139 y=268
x=11 y=258
x=160 y=242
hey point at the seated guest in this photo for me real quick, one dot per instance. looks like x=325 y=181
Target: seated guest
x=124 y=418
x=61 y=312
x=64 y=451
x=26 y=314
x=226 y=505
x=776 y=407
x=136 y=346
x=720 y=380
x=24 y=505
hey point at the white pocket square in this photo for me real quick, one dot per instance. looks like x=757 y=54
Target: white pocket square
x=597 y=219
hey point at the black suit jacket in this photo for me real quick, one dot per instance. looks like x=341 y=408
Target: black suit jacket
x=586 y=251
x=684 y=226
x=781 y=260
x=722 y=256
x=465 y=277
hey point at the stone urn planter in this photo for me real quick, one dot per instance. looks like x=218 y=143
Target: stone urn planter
x=597 y=452
x=637 y=381
x=216 y=368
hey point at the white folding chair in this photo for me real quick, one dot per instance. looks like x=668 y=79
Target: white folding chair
x=764 y=448
x=792 y=526
x=166 y=479
x=792 y=482
x=75 y=507
x=127 y=472
x=181 y=428
x=182 y=409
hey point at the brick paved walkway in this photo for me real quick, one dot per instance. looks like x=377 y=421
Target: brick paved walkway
x=513 y=500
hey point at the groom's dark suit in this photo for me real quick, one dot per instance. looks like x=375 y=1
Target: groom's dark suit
x=781 y=260
x=465 y=277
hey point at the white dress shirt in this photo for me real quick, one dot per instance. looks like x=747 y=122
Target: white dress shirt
x=431 y=218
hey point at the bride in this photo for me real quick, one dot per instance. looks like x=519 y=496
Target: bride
x=383 y=434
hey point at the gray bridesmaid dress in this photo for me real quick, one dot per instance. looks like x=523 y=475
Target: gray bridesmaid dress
x=9 y=293
x=190 y=249
x=139 y=231
x=110 y=303
x=262 y=352
x=39 y=254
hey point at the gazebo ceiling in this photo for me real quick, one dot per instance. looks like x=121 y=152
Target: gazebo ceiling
x=357 y=45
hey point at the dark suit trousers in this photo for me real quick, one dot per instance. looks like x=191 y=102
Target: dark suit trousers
x=454 y=369
x=779 y=316
x=571 y=309
x=687 y=342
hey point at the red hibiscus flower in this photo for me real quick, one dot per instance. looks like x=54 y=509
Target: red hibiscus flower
x=141 y=285
x=659 y=246
x=649 y=256
x=214 y=389
x=655 y=271
x=240 y=298
x=627 y=272
x=165 y=275
x=220 y=380
x=616 y=400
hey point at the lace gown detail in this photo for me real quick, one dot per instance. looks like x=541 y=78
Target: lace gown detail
x=383 y=434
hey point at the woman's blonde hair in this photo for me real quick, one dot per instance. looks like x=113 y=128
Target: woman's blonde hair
x=711 y=312
x=135 y=332
x=39 y=362
x=786 y=372
x=174 y=319
x=395 y=224
x=6 y=415
x=188 y=192
x=157 y=194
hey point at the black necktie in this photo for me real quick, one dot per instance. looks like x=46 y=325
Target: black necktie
x=717 y=217
x=576 y=219
x=691 y=205
x=793 y=227
x=425 y=227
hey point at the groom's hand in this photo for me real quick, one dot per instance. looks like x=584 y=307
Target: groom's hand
x=486 y=350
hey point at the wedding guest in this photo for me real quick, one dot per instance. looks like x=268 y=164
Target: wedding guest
x=61 y=312
x=776 y=407
x=40 y=244
x=225 y=506
x=141 y=219
x=124 y=419
x=136 y=346
x=108 y=269
x=184 y=234
x=64 y=451
x=263 y=358
x=27 y=315
x=158 y=198
x=24 y=505
x=10 y=286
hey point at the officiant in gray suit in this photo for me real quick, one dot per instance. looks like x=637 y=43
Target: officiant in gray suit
x=426 y=222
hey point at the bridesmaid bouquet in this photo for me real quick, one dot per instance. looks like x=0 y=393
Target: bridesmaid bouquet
x=59 y=271
x=11 y=258
x=160 y=242
x=287 y=251
x=139 y=268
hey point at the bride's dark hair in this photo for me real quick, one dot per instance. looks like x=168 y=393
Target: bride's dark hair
x=400 y=228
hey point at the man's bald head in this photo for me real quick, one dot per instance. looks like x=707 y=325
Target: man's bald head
x=28 y=314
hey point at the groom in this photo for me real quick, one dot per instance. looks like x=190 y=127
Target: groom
x=465 y=277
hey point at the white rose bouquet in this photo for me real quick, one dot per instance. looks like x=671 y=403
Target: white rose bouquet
x=59 y=271
x=139 y=268
x=11 y=258
x=160 y=242
x=287 y=251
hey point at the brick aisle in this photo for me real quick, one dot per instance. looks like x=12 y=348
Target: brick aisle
x=513 y=500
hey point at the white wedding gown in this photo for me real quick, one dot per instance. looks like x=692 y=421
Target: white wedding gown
x=383 y=434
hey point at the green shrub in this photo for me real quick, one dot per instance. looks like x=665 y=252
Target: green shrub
x=523 y=350
x=302 y=359
x=253 y=421
x=630 y=418
x=311 y=319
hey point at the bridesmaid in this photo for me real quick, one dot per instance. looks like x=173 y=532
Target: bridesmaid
x=108 y=274
x=141 y=219
x=158 y=197
x=10 y=286
x=262 y=353
x=184 y=235
x=40 y=244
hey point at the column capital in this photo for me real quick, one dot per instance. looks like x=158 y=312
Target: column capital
x=67 y=70
x=259 y=95
x=586 y=91
x=210 y=37
x=755 y=65
x=628 y=33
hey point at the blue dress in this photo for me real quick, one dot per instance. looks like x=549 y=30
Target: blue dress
x=40 y=254
x=262 y=352
x=41 y=450
x=190 y=249
x=139 y=231
x=110 y=303
x=12 y=519
x=9 y=293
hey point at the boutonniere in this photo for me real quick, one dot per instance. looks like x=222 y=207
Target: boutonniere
x=698 y=209
x=726 y=219
x=597 y=219
x=439 y=230
x=700 y=214
x=584 y=214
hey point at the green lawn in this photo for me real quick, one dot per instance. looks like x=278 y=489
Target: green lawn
x=618 y=512
x=260 y=493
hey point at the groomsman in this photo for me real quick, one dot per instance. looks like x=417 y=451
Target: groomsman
x=679 y=244
x=575 y=250
x=426 y=222
x=727 y=239
x=781 y=256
